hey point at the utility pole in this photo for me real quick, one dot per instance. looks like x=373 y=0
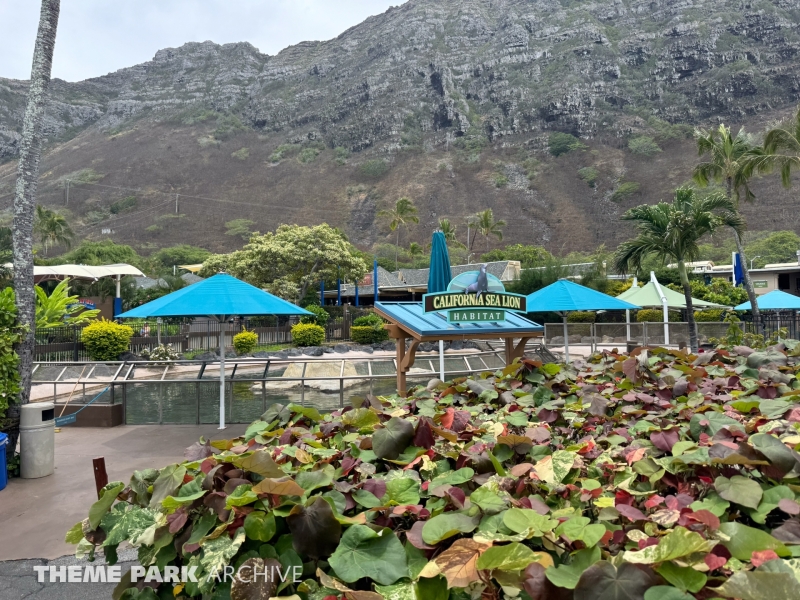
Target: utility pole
x=66 y=202
x=176 y=204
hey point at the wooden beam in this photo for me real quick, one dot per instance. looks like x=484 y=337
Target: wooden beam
x=411 y=354
x=401 y=375
x=100 y=475
x=518 y=351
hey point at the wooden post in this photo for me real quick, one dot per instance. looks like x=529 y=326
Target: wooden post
x=401 y=374
x=100 y=475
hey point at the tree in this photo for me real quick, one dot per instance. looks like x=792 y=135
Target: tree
x=60 y=308
x=777 y=247
x=528 y=256
x=485 y=225
x=449 y=232
x=182 y=254
x=25 y=201
x=403 y=213
x=729 y=160
x=415 y=250
x=672 y=232
x=781 y=151
x=291 y=259
x=104 y=252
x=239 y=227
x=52 y=228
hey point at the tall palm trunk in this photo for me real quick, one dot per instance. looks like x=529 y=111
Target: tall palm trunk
x=748 y=283
x=25 y=199
x=687 y=293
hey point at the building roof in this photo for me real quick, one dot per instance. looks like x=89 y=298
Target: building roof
x=145 y=283
x=419 y=277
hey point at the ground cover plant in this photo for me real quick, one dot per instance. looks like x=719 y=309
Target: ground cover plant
x=658 y=475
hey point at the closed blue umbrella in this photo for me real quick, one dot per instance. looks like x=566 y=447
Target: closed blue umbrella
x=219 y=297
x=439 y=276
x=565 y=296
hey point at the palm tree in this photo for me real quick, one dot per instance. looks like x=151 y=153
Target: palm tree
x=730 y=162
x=415 y=250
x=672 y=233
x=52 y=228
x=30 y=150
x=449 y=231
x=485 y=224
x=403 y=213
x=781 y=150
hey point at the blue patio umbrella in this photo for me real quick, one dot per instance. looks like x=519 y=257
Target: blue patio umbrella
x=565 y=296
x=774 y=300
x=219 y=297
x=439 y=276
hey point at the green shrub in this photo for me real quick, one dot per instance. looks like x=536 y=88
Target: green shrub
x=368 y=335
x=560 y=143
x=341 y=154
x=581 y=316
x=308 y=155
x=320 y=316
x=710 y=315
x=499 y=179
x=283 y=151
x=589 y=175
x=245 y=342
x=644 y=146
x=123 y=205
x=106 y=340
x=374 y=168
x=655 y=315
x=625 y=190
x=241 y=154
x=9 y=360
x=308 y=334
x=369 y=320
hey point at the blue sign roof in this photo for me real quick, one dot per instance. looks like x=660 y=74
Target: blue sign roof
x=220 y=296
x=410 y=316
x=774 y=300
x=566 y=296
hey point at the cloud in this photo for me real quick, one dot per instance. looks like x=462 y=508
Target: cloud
x=96 y=37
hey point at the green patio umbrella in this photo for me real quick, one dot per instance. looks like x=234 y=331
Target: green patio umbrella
x=439 y=276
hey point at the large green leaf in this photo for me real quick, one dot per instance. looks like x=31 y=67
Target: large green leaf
x=402 y=491
x=107 y=497
x=663 y=592
x=126 y=522
x=365 y=553
x=684 y=578
x=745 y=540
x=711 y=422
x=603 y=581
x=311 y=480
x=775 y=450
x=447 y=525
x=511 y=557
x=677 y=543
x=488 y=499
x=219 y=551
x=259 y=525
x=759 y=585
x=580 y=528
x=389 y=441
x=568 y=575
x=739 y=490
x=167 y=483
x=458 y=477
x=530 y=522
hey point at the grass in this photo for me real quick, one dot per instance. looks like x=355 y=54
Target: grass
x=625 y=190
x=241 y=154
x=374 y=168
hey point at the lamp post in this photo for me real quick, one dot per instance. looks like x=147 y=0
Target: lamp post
x=751 y=261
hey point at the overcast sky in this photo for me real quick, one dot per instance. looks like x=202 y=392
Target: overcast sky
x=96 y=37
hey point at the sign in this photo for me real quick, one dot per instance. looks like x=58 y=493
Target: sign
x=67 y=420
x=475 y=316
x=475 y=297
x=759 y=283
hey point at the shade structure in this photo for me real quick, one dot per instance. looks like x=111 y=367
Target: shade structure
x=219 y=297
x=565 y=296
x=439 y=276
x=647 y=296
x=774 y=300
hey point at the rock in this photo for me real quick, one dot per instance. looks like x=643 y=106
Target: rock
x=313 y=351
x=433 y=384
x=315 y=369
x=341 y=348
x=261 y=355
x=367 y=349
x=231 y=354
x=586 y=339
x=471 y=345
x=427 y=347
x=557 y=340
x=327 y=350
x=207 y=356
x=130 y=356
x=389 y=346
x=293 y=352
x=621 y=339
x=574 y=339
x=457 y=345
x=607 y=339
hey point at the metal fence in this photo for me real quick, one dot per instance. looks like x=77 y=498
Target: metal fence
x=187 y=392
x=64 y=343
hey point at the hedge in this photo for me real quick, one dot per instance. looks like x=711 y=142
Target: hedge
x=368 y=335
x=106 y=340
x=581 y=316
x=320 y=316
x=656 y=315
x=308 y=334
x=245 y=341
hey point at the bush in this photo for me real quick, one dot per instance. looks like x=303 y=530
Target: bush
x=308 y=155
x=560 y=143
x=123 y=205
x=710 y=315
x=581 y=316
x=625 y=190
x=106 y=340
x=241 y=154
x=589 y=175
x=320 y=316
x=374 y=168
x=368 y=335
x=9 y=360
x=644 y=146
x=308 y=334
x=245 y=342
x=160 y=352
x=369 y=320
x=655 y=315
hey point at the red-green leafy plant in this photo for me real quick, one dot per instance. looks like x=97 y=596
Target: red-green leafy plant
x=651 y=476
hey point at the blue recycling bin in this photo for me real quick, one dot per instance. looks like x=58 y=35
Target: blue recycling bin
x=3 y=463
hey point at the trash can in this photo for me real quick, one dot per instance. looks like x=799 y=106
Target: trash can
x=3 y=461
x=37 y=440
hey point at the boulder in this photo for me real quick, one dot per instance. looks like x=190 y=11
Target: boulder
x=427 y=347
x=620 y=339
x=293 y=352
x=313 y=351
x=457 y=345
x=327 y=350
x=206 y=356
x=607 y=339
x=586 y=339
x=366 y=349
x=574 y=339
x=471 y=345
x=261 y=355
x=130 y=356
x=389 y=346
x=315 y=369
x=557 y=340
x=341 y=348
x=433 y=384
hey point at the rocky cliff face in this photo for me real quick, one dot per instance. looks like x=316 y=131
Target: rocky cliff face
x=495 y=73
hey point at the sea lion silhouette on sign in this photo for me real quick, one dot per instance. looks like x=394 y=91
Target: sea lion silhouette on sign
x=481 y=285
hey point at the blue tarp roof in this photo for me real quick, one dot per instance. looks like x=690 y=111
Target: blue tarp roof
x=567 y=296
x=220 y=296
x=774 y=300
x=410 y=315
